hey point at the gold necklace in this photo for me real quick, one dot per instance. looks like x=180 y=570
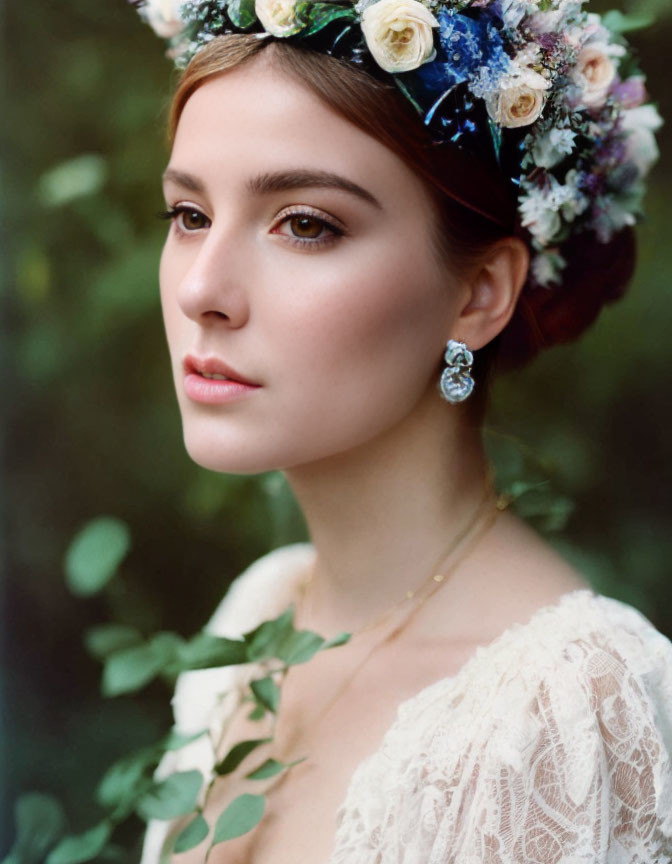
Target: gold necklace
x=484 y=517
x=435 y=578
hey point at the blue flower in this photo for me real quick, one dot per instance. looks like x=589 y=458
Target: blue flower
x=467 y=47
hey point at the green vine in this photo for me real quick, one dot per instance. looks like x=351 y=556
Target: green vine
x=131 y=661
x=128 y=787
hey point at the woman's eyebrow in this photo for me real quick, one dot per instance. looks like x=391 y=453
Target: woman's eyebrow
x=182 y=179
x=280 y=181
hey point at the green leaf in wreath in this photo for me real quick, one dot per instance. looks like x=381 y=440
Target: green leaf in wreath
x=76 y=849
x=40 y=822
x=241 y=816
x=266 y=693
x=321 y=14
x=94 y=555
x=104 y=640
x=175 y=796
x=270 y=768
x=191 y=836
x=241 y=13
x=617 y=22
x=237 y=753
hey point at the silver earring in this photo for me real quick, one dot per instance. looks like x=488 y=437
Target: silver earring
x=456 y=383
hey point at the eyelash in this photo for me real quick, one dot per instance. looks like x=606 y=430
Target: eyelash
x=174 y=213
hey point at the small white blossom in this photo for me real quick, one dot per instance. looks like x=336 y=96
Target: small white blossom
x=362 y=5
x=163 y=16
x=554 y=20
x=513 y=12
x=539 y=216
x=547 y=267
x=543 y=208
x=640 y=123
x=572 y=200
x=619 y=213
x=551 y=148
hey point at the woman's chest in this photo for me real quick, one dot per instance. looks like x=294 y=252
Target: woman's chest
x=333 y=722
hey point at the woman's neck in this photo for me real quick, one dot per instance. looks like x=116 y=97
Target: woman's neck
x=382 y=515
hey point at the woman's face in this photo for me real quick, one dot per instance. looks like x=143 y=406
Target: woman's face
x=300 y=258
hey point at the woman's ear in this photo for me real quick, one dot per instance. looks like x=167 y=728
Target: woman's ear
x=492 y=289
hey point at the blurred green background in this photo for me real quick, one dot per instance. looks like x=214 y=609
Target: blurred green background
x=91 y=426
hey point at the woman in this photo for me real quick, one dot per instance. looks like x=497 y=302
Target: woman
x=326 y=248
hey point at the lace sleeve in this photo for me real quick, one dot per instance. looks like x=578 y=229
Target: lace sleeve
x=575 y=768
x=552 y=745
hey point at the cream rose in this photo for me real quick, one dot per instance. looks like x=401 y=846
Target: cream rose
x=516 y=106
x=163 y=16
x=278 y=17
x=399 y=34
x=521 y=94
x=594 y=73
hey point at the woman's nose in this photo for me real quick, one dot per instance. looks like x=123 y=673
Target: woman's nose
x=214 y=288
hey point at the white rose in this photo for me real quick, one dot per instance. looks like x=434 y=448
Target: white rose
x=399 y=34
x=640 y=124
x=163 y=16
x=594 y=73
x=278 y=17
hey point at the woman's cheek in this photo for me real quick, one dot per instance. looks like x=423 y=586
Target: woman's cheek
x=360 y=341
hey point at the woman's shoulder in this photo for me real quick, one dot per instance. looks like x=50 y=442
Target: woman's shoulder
x=586 y=649
x=262 y=591
x=561 y=725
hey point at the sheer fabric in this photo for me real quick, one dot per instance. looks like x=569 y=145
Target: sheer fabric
x=552 y=744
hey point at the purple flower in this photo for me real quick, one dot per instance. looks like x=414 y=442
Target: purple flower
x=630 y=93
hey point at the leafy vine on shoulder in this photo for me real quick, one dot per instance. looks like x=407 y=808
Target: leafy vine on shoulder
x=373 y=209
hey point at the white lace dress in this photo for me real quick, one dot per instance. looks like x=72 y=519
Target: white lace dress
x=552 y=744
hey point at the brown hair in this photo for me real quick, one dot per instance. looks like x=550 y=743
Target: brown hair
x=596 y=272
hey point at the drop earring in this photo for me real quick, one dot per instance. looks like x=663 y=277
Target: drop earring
x=456 y=383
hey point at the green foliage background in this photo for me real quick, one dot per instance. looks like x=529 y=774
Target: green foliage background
x=91 y=426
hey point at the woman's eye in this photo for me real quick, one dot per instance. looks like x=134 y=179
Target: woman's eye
x=192 y=220
x=303 y=229
x=187 y=219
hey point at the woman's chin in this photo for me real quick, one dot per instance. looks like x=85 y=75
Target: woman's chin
x=227 y=457
x=229 y=462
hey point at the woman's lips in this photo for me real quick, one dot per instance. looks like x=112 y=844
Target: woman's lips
x=211 y=381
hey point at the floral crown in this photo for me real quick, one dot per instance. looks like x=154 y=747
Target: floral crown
x=543 y=91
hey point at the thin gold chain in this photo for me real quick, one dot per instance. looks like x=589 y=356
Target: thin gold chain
x=498 y=504
x=483 y=519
